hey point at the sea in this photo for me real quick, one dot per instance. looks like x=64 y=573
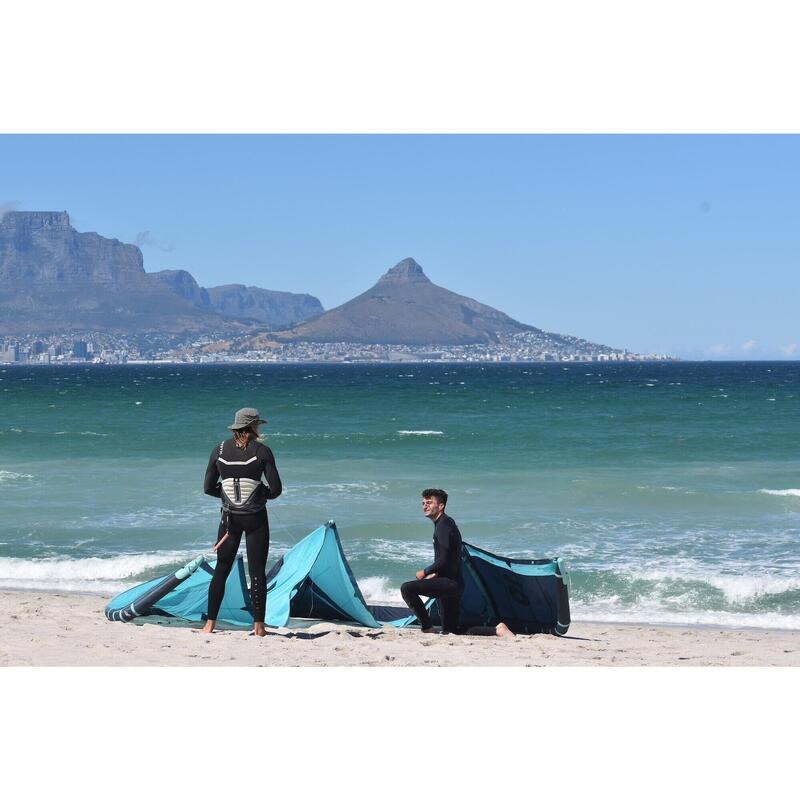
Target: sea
x=670 y=489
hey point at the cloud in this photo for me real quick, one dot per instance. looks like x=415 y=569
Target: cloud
x=11 y=205
x=748 y=346
x=718 y=350
x=788 y=350
x=146 y=239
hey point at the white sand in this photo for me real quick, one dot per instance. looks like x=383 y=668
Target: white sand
x=44 y=629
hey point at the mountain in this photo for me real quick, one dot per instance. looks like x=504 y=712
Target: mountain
x=184 y=285
x=56 y=279
x=249 y=303
x=405 y=307
x=53 y=278
x=43 y=247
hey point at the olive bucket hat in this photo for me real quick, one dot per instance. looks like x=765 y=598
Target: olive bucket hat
x=245 y=417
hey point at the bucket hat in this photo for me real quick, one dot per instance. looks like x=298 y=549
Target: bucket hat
x=245 y=417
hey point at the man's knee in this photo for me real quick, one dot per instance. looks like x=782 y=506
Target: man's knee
x=407 y=590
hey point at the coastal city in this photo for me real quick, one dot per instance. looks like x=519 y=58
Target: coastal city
x=103 y=348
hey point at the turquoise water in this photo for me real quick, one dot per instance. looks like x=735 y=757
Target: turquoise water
x=671 y=489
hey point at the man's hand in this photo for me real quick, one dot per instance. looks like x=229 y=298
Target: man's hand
x=419 y=574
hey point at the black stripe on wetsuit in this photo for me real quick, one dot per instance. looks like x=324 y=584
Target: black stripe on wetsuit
x=448 y=584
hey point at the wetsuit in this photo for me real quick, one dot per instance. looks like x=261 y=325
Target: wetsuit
x=234 y=475
x=448 y=585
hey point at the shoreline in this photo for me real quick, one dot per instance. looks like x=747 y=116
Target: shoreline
x=43 y=628
x=105 y=598
x=355 y=362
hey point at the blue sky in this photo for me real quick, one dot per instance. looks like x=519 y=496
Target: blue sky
x=680 y=244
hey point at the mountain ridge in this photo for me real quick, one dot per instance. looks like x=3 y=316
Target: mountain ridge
x=54 y=278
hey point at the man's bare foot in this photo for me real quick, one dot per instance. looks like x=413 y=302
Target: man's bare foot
x=259 y=629
x=503 y=630
x=209 y=626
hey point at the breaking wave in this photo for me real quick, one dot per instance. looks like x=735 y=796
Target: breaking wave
x=734 y=588
x=781 y=492
x=95 y=575
x=379 y=589
x=420 y=433
x=7 y=477
x=654 y=614
x=80 y=433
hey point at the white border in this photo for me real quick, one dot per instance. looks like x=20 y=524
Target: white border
x=419 y=66
x=378 y=67
x=388 y=733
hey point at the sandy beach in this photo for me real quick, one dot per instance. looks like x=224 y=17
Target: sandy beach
x=47 y=629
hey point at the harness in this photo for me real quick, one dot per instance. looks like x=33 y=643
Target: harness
x=237 y=492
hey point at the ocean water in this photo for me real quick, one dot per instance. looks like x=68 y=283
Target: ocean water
x=671 y=489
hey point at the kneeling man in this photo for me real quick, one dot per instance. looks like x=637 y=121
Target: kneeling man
x=442 y=579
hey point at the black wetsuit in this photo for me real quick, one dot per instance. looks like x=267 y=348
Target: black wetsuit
x=234 y=475
x=448 y=585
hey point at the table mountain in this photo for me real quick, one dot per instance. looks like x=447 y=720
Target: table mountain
x=54 y=279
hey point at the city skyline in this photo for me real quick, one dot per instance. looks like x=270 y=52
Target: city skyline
x=672 y=244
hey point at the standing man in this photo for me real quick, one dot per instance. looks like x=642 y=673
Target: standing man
x=442 y=579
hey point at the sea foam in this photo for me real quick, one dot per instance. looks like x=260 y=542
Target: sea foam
x=655 y=614
x=781 y=492
x=378 y=589
x=6 y=476
x=421 y=433
x=80 y=433
x=391 y=550
x=85 y=574
x=735 y=588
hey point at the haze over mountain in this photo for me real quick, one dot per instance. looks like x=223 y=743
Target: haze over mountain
x=53 y=278
x=245 y=303
x=277 y=309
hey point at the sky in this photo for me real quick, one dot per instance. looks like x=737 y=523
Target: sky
x=683 y=244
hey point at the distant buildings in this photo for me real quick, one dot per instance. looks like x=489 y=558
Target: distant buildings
x=10 y=353
x=101 y=348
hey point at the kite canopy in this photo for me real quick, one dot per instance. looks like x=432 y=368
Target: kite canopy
x=189 y=599
x=530 y=596
x=314 y=581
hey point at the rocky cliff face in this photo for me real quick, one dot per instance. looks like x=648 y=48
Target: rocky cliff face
x=53 y=278
x=184 y=285
x=274 y=309
x=405 y=272
x=43 y=247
